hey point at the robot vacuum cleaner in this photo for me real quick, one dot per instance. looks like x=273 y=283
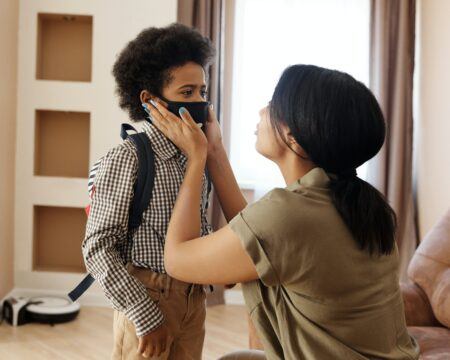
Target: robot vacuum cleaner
x=42 y=309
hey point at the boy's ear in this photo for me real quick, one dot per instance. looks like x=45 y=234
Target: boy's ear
x=145 y=96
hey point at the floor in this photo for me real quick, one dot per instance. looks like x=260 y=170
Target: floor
x=89 y=337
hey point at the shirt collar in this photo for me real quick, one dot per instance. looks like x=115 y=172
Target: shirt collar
x=161 y=145
x=316 y=177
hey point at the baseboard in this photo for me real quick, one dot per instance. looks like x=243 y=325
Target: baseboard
x=5 y=297
x=234 y=297
x=88 y=299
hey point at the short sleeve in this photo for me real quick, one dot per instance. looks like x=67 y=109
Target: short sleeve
x=263 y=228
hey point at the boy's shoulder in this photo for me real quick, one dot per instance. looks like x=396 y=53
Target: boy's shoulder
x=123 y=155
x=125 y=151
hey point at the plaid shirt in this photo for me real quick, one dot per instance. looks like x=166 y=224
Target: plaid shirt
x=108 y=244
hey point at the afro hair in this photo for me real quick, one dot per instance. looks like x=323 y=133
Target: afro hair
x=145 y=63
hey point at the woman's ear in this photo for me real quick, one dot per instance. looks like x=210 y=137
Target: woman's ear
x=287 y=134
x=294 y=145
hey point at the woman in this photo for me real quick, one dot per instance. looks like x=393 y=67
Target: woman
x=317 y=259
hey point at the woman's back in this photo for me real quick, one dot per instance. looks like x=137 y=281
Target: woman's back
x=319 y=295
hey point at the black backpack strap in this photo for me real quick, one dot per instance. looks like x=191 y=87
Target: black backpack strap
x=124 y=128
x=143 y=188
x=145 y=179
x=81 y=287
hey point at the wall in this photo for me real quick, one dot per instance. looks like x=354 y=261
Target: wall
x=8 y=74
x=46 y=195
x=433 y=111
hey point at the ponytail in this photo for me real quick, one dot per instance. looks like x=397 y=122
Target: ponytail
x=339 y=124
x=366 y=213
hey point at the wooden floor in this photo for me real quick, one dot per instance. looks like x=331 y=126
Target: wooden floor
x=90 y=336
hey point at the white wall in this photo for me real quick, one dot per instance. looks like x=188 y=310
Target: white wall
x=115 y=22
x=433 y=110
x=9 y=15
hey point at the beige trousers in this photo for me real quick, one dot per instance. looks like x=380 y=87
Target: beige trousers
x=183 y=306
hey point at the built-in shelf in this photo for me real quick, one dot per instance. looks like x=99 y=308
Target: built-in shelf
x=58 y=234
x=64 y=47
x=62 y=143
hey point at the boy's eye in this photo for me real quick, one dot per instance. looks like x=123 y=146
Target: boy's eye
x=204 y=94
x=187 y=92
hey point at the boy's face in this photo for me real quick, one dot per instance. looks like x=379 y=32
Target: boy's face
x=187 y=83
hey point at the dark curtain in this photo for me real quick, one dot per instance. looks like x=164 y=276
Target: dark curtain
x=391 y=80
x=207 y=17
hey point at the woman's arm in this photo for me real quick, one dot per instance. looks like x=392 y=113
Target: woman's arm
x=217 y=258
x=230 y=196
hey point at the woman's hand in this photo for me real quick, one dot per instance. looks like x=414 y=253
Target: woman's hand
x=184 y=133
x=213 y=132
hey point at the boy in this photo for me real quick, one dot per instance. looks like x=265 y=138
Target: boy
x=155 y=315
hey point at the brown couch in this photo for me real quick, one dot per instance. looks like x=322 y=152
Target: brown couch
x=426 y=298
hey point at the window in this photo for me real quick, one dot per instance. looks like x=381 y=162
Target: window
x=271 y=35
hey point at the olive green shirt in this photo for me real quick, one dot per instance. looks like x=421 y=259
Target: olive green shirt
x=318 y=296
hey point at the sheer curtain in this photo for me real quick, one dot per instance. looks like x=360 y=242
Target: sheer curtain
x=269 y=36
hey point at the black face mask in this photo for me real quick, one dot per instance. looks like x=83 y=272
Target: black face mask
x=198 y=109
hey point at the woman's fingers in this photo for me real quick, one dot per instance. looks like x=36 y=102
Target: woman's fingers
x=158 y=120
x=187 y=117
x=161 y=102
x=167 y=115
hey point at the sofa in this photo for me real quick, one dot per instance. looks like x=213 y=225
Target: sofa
x=427 y=297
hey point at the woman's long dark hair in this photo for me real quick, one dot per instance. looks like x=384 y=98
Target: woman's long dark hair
x=338 y=122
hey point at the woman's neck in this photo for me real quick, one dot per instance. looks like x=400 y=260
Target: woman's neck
x=292 y=168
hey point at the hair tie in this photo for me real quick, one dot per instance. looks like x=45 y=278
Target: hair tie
x=348 y=174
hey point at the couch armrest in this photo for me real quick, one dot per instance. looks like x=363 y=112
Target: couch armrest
x=418 y=310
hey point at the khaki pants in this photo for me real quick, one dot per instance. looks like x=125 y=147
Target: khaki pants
x=183 y=306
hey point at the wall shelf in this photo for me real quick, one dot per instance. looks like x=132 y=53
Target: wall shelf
x=64 y=47
x=62 y=143
x=58 y=234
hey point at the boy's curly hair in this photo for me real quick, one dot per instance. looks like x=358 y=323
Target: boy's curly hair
x=146 y=61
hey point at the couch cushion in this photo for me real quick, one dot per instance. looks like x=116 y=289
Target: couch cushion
x=418 y=310
x=434 y=342
x=430 y=268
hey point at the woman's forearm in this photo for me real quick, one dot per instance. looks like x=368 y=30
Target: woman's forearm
x=185 y=220
x=230 y=196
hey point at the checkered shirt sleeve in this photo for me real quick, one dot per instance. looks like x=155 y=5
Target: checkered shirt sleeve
x=107 y=231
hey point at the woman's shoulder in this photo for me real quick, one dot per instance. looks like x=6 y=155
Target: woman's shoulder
x=283 y=212
x=271 y=211
x=284 y=199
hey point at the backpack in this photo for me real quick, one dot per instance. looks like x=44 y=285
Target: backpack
x=143 y=188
